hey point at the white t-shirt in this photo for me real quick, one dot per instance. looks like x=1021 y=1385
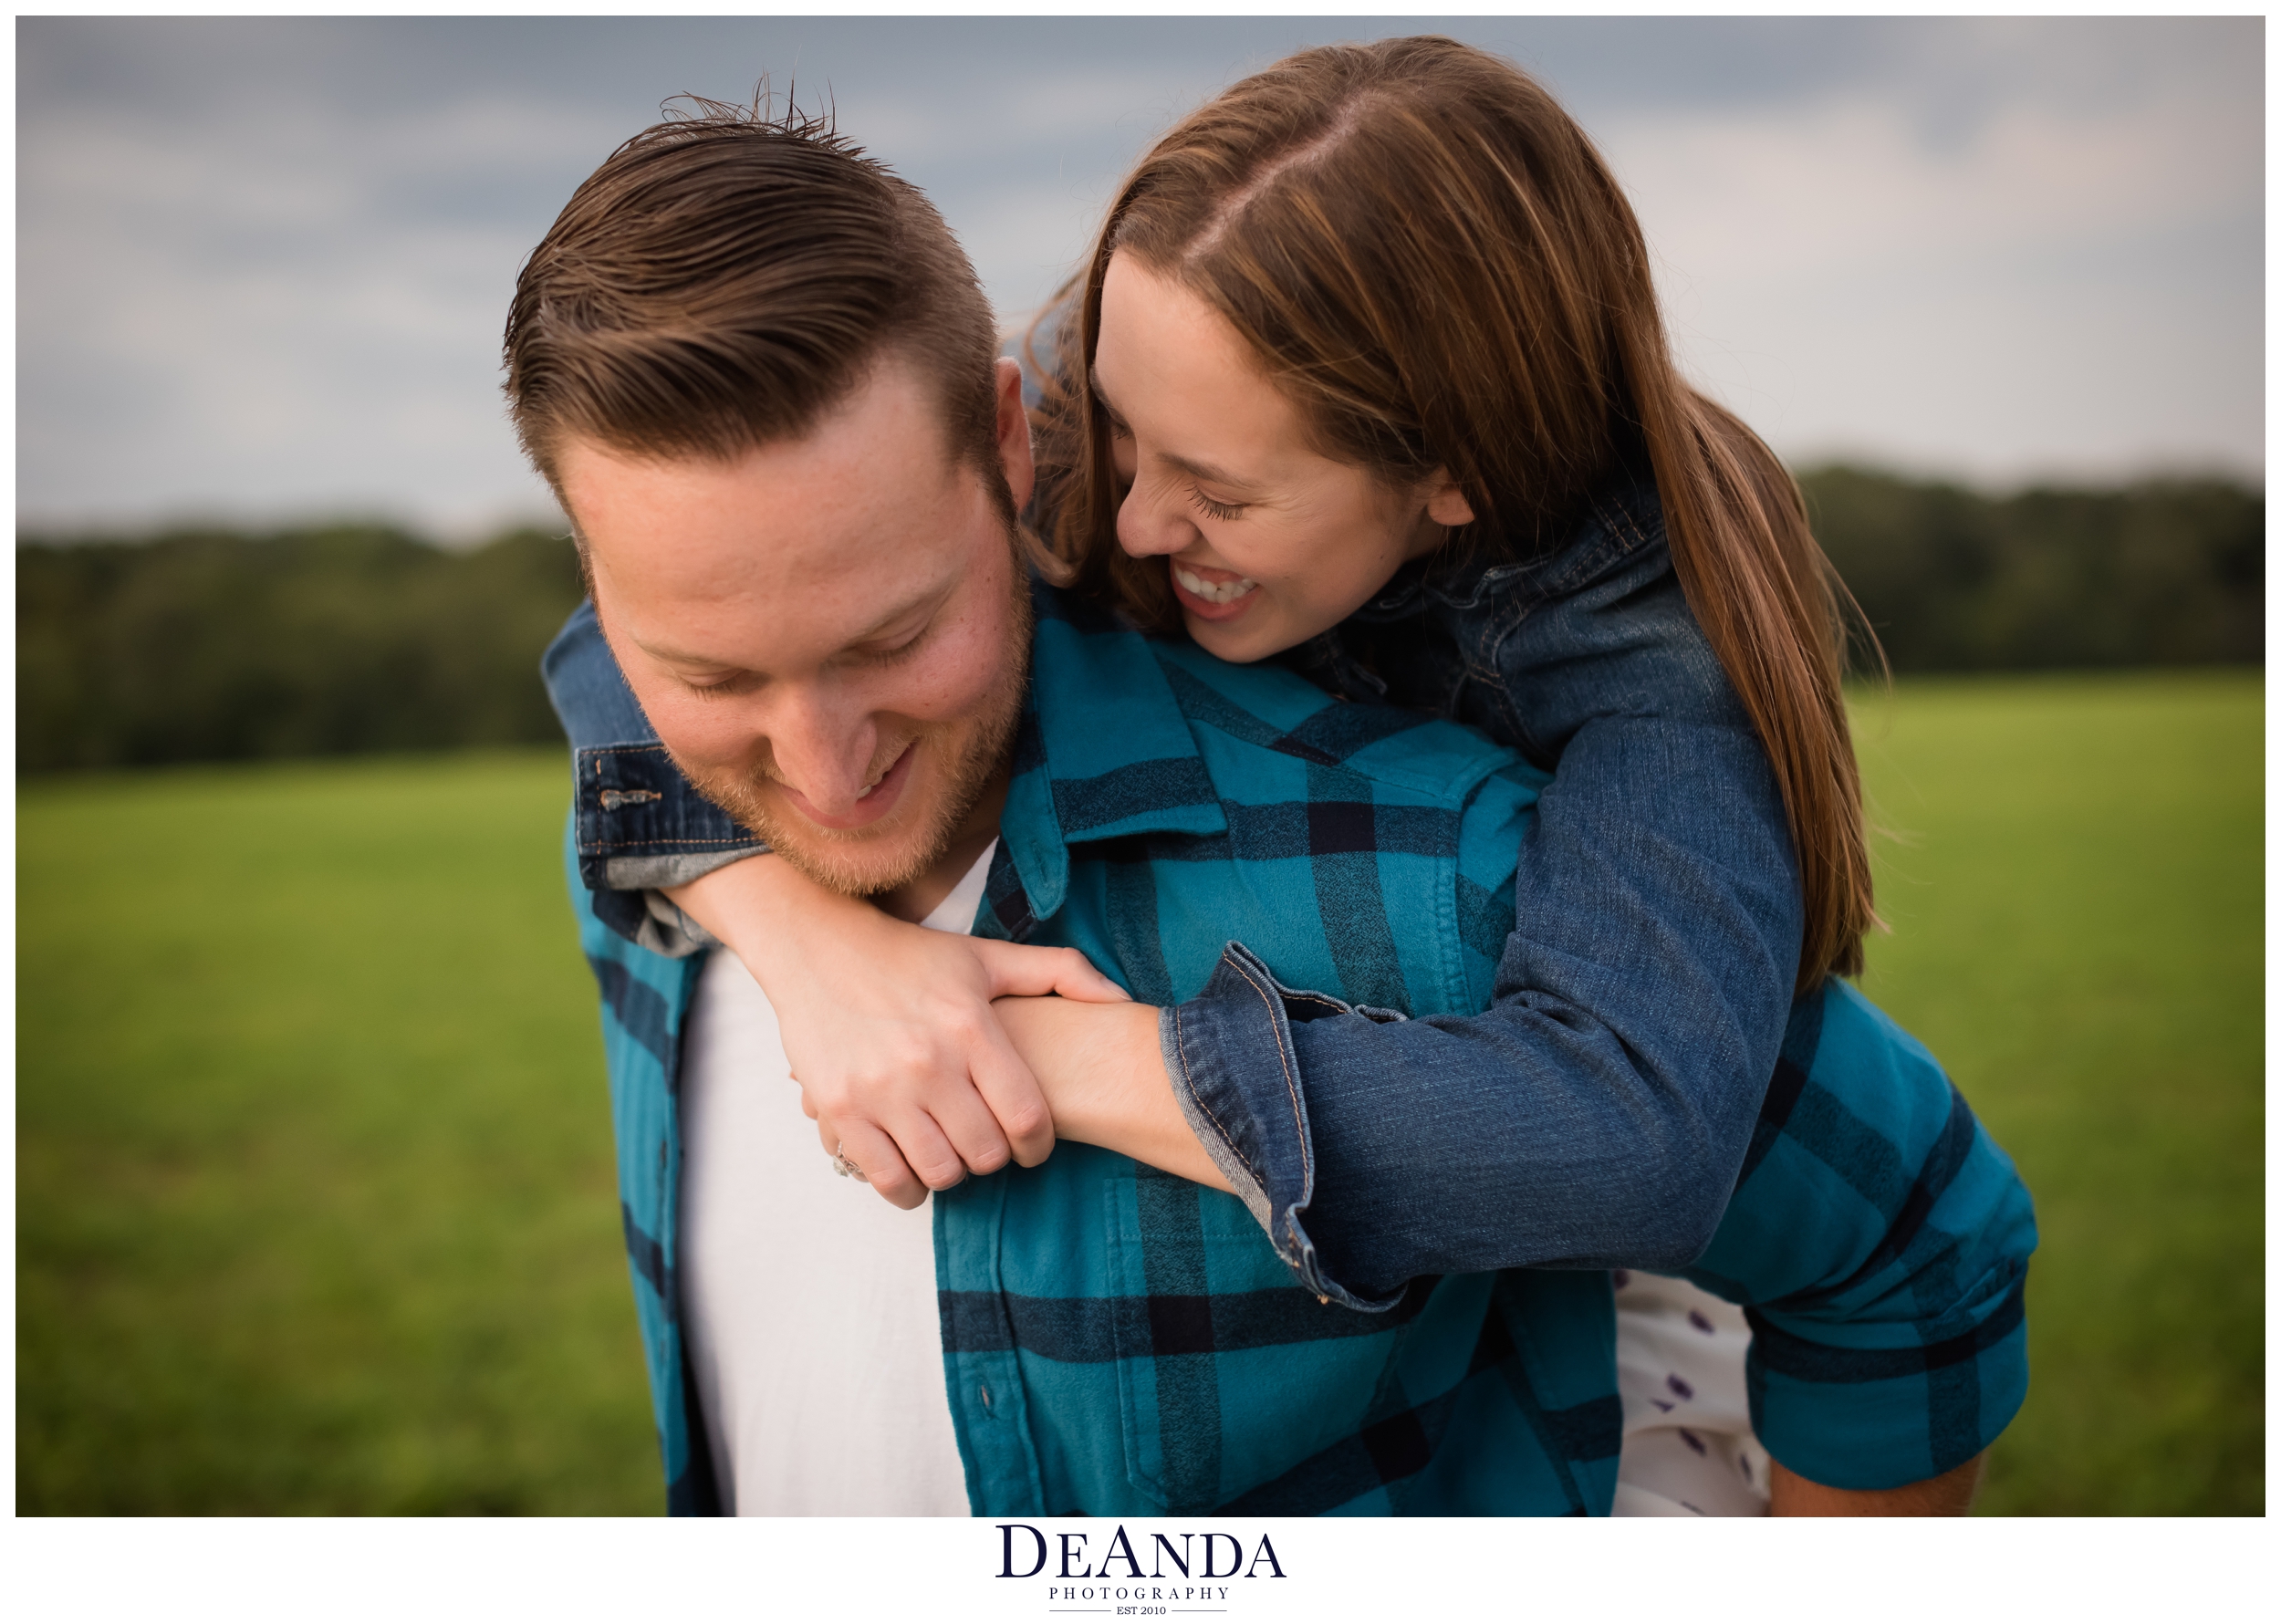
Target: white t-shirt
x=808 y=1302
x=815 y=1340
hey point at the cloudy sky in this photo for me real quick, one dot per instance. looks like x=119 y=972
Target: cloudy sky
x=261 y=265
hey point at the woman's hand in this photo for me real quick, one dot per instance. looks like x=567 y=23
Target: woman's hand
x=889 y=1026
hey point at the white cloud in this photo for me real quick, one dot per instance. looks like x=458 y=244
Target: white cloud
x=1823 y=190
x=294 y=329
x=261 y=269
x=2067 y=288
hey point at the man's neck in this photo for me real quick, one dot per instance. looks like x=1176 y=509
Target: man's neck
x=923 y=895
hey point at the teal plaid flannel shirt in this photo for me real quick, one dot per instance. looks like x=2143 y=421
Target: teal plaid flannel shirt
x=1119 y=1342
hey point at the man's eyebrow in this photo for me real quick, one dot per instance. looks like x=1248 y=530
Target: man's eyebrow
x=1188 y=465
x=673 y=656
x=926 y=598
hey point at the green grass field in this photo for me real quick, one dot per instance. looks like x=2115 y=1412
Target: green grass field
x=315 y=1211
x=315 y=1202
x=2075 y=887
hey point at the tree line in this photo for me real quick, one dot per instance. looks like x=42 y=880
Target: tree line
x=213 y=646
x=2165 y=572
x=208 y=645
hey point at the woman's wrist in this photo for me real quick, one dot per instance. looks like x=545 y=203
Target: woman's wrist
x=760 y=907
x=1102 y=1073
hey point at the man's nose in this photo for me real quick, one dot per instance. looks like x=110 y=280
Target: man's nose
x=822 y=746
x=1148 y=525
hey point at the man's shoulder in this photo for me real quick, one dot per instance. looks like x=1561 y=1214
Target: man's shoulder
x=1266 y=708
x=1256 y=726
x=588 y=691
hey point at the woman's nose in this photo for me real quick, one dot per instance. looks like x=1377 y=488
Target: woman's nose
x=1148 y=527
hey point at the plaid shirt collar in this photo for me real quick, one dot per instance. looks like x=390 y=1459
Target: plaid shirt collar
x=1104 y=750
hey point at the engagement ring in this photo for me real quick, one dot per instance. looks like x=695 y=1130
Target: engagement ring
x=842 y=1166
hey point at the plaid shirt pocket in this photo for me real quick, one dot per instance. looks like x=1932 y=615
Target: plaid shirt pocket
x=1209 y=1331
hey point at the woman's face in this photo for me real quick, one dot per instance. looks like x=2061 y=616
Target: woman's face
x=1267 y=541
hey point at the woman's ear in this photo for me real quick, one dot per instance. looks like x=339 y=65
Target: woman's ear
x=1445 y=503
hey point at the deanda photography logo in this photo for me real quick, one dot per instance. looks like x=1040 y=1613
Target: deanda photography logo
x=1150 y=1573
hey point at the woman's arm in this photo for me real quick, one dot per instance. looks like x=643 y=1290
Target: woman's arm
x=888 y=1028
x=1105 y=1082
x=888 y=1025
x=1598 y=1111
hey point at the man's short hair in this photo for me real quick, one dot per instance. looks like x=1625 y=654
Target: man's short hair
x=724 y=279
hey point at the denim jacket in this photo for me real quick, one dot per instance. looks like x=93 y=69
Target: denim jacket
x=1642 y=995
x=1116 y=1341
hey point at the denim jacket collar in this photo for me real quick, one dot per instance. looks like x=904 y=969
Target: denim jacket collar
x=1617 y=520
x=1470 y=597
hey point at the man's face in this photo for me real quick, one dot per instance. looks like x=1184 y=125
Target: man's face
x=829 y=634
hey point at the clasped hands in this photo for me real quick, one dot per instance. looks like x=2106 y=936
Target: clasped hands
x=924 y=1056
x=912 y=1072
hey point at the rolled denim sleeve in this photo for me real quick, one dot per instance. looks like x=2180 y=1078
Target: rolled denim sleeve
x=638 y=824
x=1598 y=1113
x=1251 y=1116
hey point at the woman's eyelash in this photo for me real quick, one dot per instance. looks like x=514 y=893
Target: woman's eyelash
x=1218 y=510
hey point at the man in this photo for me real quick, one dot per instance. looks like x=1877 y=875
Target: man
x=761 y=379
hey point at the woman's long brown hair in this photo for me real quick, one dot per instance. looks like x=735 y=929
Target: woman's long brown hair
x=1428 y=256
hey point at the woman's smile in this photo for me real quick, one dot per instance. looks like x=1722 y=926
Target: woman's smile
x=1211 y=594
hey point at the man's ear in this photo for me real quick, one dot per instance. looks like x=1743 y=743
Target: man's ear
x=1014 y=448
x=1445 y=503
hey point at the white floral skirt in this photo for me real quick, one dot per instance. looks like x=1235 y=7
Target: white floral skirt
x=1688 y=1449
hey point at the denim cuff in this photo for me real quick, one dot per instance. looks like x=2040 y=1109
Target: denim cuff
x=640 y=827
x=1229 y=1054
x=663 y=873
x=662 y=927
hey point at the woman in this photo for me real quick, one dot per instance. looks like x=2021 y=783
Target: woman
x=1636 y=596
x=1432 y=273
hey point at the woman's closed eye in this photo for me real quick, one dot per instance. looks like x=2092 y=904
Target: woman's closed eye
x=1218 y=510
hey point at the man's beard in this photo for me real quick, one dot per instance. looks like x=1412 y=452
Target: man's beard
x=969 y=750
